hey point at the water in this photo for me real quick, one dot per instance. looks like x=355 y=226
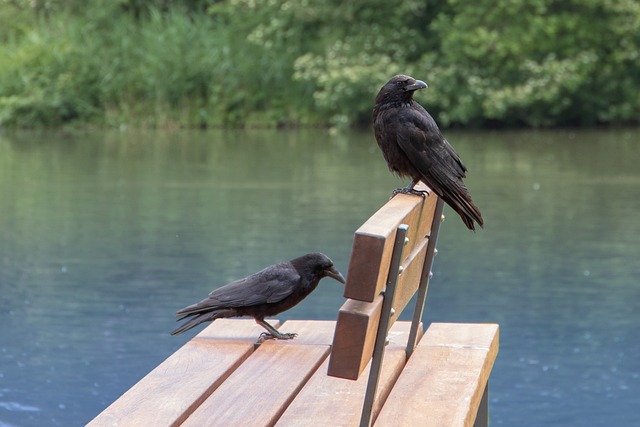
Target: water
x=105 y=235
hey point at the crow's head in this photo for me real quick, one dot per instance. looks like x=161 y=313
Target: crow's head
x=318 y=265
x=399 y=89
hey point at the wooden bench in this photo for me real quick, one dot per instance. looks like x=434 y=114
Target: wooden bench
x=222 y=377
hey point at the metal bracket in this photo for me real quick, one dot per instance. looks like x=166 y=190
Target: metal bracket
x=383 y=325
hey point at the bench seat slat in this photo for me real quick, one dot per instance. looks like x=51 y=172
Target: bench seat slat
x=169 y=393
x=330 y=401
x=260 y=389
x=443 y=382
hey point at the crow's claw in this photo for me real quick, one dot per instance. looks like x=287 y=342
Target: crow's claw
x=410 y=190
x=279 y=336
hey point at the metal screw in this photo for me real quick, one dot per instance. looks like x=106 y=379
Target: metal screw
x=400 y=269
x=406 y=241
x=393 y=311
x=386 y=341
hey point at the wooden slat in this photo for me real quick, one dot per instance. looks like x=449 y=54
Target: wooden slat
x=373 y=242
x=444 y=380
x=235 y=329
x=409 y=278
x=169 y=393
x=372 y=246
x=329 y=401
x=426 y=215
x=354 y=337
x=468 y=335
x=310 y=332
x=259 y=391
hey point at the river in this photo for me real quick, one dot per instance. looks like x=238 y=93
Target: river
x=104 y=235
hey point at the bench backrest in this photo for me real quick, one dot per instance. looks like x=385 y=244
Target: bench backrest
x=369 y=275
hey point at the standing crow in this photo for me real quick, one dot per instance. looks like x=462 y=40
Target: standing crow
x=413 y=147
x=266 y=293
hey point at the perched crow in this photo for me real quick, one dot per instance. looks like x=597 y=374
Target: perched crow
x=413 y=147
x=266 y=293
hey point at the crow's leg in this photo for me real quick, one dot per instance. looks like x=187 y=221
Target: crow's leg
x=410 y=190
x=273 y=332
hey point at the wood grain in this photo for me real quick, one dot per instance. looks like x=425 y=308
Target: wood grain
x=373 y=243
x=443 y=382
x=169 y=393
x=409 y=278
x=354 y=337
x=259 y=391
x=330 y=401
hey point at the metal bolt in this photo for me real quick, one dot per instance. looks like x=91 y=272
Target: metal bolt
x=393 y=311
x=430 y=274
x=386 y=341
x=435 y=251
x=400 y=269
x=442 y=218
x=406 y=241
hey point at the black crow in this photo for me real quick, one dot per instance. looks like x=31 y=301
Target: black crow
x=266 y=293
x=413 y=147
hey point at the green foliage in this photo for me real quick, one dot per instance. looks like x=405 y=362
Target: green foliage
x=537 y=62
x=160 y=63
x=46 y=81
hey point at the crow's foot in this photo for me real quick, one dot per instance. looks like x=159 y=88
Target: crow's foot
x=410 y=190
x=277 y=336
x=273 y=333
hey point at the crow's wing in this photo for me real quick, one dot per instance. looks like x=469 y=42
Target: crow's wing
x=271 y=285
x=430 y=153
x=439 y=165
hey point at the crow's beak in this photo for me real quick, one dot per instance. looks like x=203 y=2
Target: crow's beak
x=335 y=274
x=419 y=84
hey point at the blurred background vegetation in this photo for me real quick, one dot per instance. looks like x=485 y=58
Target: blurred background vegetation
x=206 y=63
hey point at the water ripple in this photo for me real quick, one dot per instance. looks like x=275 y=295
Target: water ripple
x=15 y=406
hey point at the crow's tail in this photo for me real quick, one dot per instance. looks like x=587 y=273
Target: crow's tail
x=202 y=317
x=460 y=201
